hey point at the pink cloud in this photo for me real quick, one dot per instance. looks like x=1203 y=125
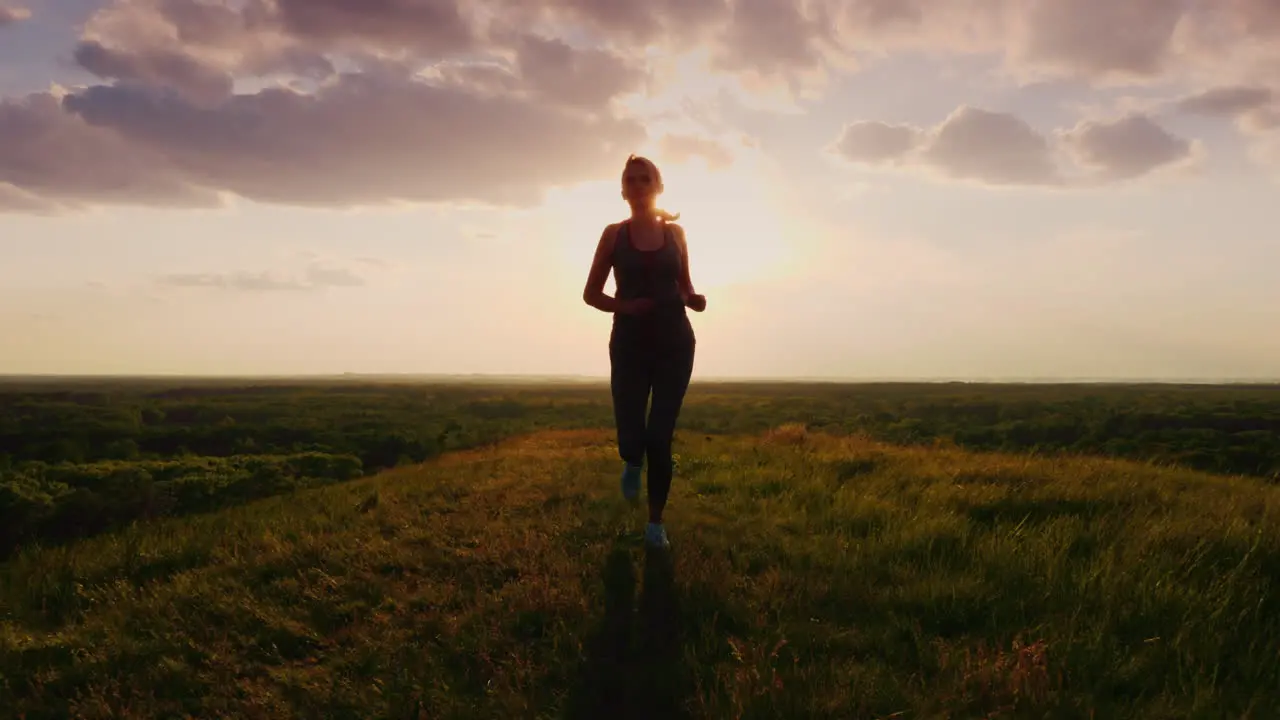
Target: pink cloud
x=497 y=100
x=1125 y=148
x=995 y=148
x=10 y=15
x=366 y=138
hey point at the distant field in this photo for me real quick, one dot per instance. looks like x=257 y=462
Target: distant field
x=82 y=457
x=812 y=576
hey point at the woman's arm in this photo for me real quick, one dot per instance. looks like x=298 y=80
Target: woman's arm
x=693 y=300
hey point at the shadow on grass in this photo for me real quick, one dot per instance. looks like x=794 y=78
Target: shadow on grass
x=634 y=666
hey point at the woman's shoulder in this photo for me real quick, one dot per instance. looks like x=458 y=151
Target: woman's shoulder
x=610 y=233
x=677 y=231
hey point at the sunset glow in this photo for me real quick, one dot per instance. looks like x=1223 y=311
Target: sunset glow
x=989 y=188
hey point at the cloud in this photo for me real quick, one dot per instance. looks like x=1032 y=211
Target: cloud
x=674 y=23
x=342 y=102
x=1095 y=41
x=996 y=148
x=53 y=159
x=992 y=147
x=156 y=67
x=1125 y=148
x=789 y=40
x=1101 y=39
x=1251 y=107
x=430 y=27
x=680 y=148
x=349 y=103
x=971 y=144
x=365 y=138
x=315 y=276
x=1229 y=101
x=10 y=15
x=242 y=281
x=874 y=142
x=768 y=37
x=13 y=198
x=588 y=78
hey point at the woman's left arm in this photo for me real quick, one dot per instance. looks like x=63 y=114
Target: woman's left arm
x=692 y=300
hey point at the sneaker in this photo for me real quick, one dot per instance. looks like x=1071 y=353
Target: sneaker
x=655 y=535
x=630 y=481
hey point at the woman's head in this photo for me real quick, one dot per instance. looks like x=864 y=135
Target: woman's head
x=641 y=186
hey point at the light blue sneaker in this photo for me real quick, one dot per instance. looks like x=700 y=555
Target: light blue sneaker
x=655 y=536
x=631 y=481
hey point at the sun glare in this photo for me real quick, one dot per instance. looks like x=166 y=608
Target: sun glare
x=735 y=227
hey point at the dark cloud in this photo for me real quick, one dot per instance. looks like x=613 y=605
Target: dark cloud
x=443 y=100
x=1126 y=148
x=589 y=78
x=680 y=148
x=429 y=27
x=771 y=38
x=881 y=14
x=997 y=148
x=677 y=23
x=10 y=15
x=1226 y=101
x=990 y=147
x=1092 y=40
x=875 y=142
x=53 y=158
x=970 y=144
x=1100 y=37
x=1134 y=39
x=367 y=138
x=763 y=39
x=157 y=67
x=512 y=115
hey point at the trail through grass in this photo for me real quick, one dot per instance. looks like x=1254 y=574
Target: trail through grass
x=811 y=577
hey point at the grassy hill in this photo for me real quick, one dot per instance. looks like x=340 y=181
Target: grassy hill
x=812 y=576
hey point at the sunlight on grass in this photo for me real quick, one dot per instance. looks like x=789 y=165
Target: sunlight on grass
x=811 y=576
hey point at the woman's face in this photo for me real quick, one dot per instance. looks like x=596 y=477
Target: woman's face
x=639 y=186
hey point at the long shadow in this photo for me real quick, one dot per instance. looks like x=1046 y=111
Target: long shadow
x=634 y=666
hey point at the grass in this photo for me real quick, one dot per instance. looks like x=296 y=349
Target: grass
x=811 y=576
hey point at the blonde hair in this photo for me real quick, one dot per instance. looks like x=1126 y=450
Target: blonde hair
x=634 y=159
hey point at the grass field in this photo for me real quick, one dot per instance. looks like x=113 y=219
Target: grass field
x=811 y=576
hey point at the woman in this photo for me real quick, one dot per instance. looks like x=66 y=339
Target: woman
x=651 y=345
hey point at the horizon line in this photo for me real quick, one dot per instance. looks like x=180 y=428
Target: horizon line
x=594 y=379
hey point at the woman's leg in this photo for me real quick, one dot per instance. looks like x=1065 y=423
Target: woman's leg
x=671 y=375
x=629 y=380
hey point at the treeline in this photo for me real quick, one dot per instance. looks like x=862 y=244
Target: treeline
x=80 y=458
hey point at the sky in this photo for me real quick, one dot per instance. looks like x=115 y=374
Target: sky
x=980 y=189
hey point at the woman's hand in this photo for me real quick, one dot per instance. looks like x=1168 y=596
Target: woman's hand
x=635 y=306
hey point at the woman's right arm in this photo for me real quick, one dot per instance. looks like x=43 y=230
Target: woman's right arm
x=593 y=294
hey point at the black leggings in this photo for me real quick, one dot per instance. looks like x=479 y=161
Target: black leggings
x=650 y=357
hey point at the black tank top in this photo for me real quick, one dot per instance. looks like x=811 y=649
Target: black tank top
x=653 y=274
